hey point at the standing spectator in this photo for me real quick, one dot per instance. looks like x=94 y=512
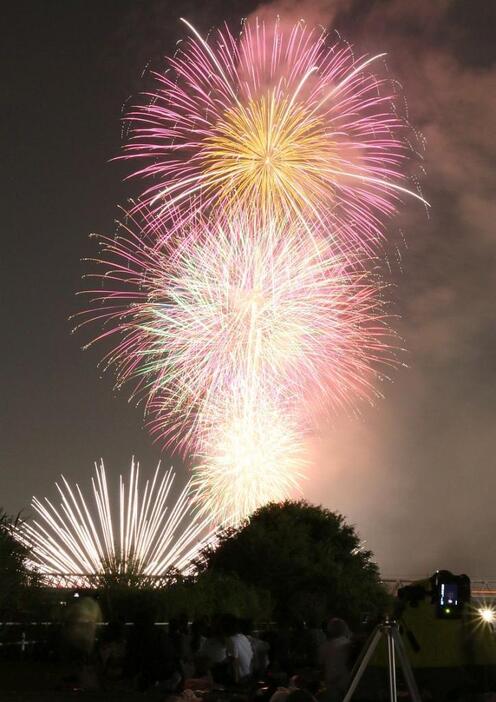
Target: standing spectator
x=214 y=646
x=112 y=652
x=334 y=659
x=314 y=638
x=239 y=650
x=181 y=637
x=83 y=616
x=260 y=648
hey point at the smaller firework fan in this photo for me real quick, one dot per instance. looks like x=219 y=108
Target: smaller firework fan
x=143 y=537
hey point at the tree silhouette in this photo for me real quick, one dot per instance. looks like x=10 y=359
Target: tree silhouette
x=16 y=580
x=307 y=557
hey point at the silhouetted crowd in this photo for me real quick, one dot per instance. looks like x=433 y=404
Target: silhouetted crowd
x=223 y=658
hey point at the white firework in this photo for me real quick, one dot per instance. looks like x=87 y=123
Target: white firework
x=252 y=453
x=146 y=536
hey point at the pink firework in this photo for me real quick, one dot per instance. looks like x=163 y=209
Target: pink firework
x=278 y=118
x=246 y=303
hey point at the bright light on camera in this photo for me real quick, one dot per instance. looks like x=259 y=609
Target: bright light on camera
x=487 y=614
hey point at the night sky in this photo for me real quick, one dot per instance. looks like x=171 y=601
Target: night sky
x=416 y=473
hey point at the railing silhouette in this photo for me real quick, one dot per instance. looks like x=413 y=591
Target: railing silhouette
x=481 y=588
x=85 y=581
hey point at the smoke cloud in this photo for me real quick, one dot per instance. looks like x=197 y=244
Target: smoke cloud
x=416 y=473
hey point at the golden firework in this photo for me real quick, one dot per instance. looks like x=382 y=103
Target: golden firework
x=272 y=151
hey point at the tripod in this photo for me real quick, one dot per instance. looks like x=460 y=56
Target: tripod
x=388 y=630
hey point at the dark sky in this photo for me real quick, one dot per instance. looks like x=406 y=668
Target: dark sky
x=416 y=474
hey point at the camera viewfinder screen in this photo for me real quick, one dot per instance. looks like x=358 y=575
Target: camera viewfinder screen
x=449 y=593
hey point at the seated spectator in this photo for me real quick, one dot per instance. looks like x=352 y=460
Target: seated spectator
x=299 y=695
x=293 y=693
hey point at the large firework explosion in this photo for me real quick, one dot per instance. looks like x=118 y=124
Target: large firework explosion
x=239 y=295
x=134 y=536
x=249 y=303
x=278 y=118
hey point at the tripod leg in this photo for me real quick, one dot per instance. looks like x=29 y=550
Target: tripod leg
x=405 y=666
x=391 y=665
x=362 y=663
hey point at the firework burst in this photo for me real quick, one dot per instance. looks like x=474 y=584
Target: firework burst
x=239 y=298
x=144 y=534
x=250 y=302
x=251 y=454
x=280 y=118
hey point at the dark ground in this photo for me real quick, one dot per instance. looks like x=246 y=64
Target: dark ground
x=32 y=681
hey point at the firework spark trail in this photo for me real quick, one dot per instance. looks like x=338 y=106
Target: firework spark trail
x=277 y=118
x=249 y=302
x=147 y=535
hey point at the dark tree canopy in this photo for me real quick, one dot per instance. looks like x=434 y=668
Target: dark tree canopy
x=306 y=557
x=16 y=582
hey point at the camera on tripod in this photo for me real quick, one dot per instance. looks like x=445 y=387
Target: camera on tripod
x=449 y=593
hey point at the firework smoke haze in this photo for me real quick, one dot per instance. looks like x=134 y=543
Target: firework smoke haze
x=429 y=449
